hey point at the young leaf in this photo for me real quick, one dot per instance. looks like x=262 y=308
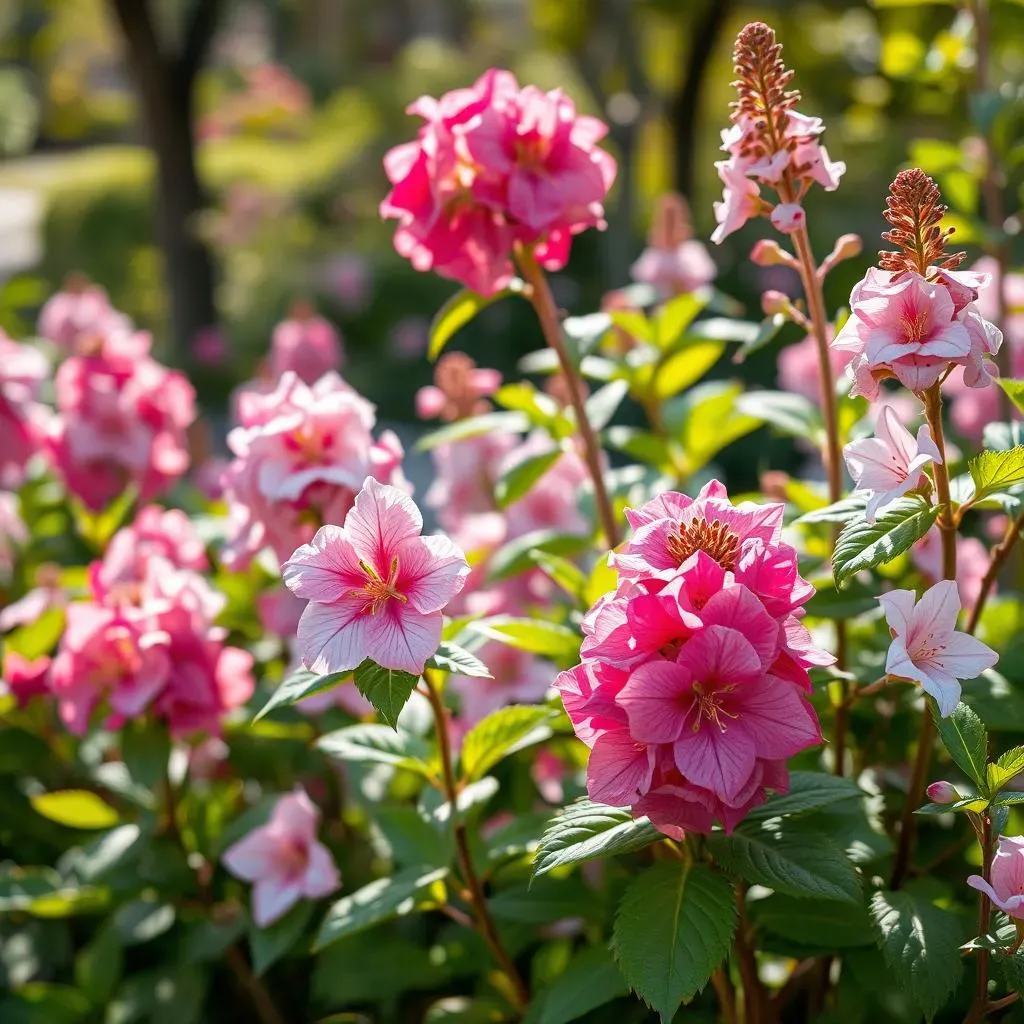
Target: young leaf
x=921 y=946
x=146 y=749
x=706 y=419
x=684 y=367
x=517 y=481
x=382 y=899
x=673 y=928
x=863 y=545
x=1006 y=767
x=791 y=414
x=378 y=744
x=268 y=945
x=766 y=331
x=298 y=686
x=458 y=661
x=567 y=575
x=457 y=312
x=386 y=689
x=590 y=981
x=501 y=733
x=963 y=735
x=1014 y=390
x=76 y=808
x=838 y=512
x=808 y=791
x=789 y=858
x=602 y=405
x=534 y=635
x=585 y=830
x=517 y=555
x=995 y=471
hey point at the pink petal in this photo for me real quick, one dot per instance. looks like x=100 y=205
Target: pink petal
x=776 y=717
x=620 y=770
x=739 y=609
x=402 y=638
x=273 y=898
x=253 y=856
x=935 y=614
x=296 y=817
x=720 y=762
x=381 y=518
x=966 y=656
x=432 y=570
x=321 y=876
x=333 y=637
x=720 y=653
x=655 y=700
x=325 y=569
x=898 y=606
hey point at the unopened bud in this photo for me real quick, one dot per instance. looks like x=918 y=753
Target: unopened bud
x=768 y=253
x=846 y=247
x=773 y=302
x=942 y=793
x=788 y=217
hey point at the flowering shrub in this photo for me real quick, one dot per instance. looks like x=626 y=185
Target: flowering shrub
x=603 y=733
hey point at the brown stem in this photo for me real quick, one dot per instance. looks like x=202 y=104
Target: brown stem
x=757 y=1008
x=544 y=305
x=726 y=996
x=1001 y=1004
x=999 y=555
x=932 y=400
x=915 y=793
x=979 y=1006
x=484 y=922
x=266 y=1011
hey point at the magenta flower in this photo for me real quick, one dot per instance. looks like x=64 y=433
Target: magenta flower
x=1006 y=890
x=284 y=860
x=891 y=463
x=942 y=793
x=23 y=421
x=24 y=679
x=375 y=587
x=926 y=646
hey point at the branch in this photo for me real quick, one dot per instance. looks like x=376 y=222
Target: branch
x=137 y=26
x=199 y=31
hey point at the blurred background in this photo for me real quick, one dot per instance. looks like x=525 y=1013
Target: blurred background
x=211 y=161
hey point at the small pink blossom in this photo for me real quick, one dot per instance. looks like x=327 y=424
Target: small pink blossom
x=799 y=367
x=740 y=201
x=12 y=531
x=1006 y=889
x=891 y=463
x=23 y=421
x=676 y=271
x=25 y=679
x=284 y=859
x=788 y=217
x=518 y=678
x=375 y=587
x=306 y=344
x=927 y=648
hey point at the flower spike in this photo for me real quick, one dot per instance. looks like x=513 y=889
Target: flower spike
x=915 y=210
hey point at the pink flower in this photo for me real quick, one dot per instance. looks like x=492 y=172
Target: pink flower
x=799 y=367
x=942 y=793
x=23 y=421
x=12 y=531
x=926 y=646
x=675 y=271
x=284 y=860
x=972 y=561
x=788 y=217
x=79 y=312
x=740 y=201
x=1006 y=890
x=306 y=344
x=891 y=463
x=25 y=679
x=518 y=678
x=375 y=587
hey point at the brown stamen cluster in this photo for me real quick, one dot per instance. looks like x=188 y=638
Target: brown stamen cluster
x=764 y=101
x=453 y=375
x=714 y=539
x=915 y=210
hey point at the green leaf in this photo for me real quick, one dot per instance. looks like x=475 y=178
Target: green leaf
x=167 y=995
x=108 y=852
x=76 y=808
x=378 y=744
x=537 y=636
x=268 y=945
x=791 y=414
x=828 y=925
x=142 y=920
x=458 y=661
x=474 y=426
x=379 y=901
x=707 y=419
x=673 y=928
x=44 y=1002
x=1012 y=970
x=838 y=512
x=921 y=946
x=766 y=331
x=591 y=980
x=963 y=735
x=99 y=966
x=1014 y=390
x=412 y=840
x=863 y=545
x=458 y=311
x=585 y=830
x=1006 y=767
x=516 y=482
x=684 y=367
x=517 y=555
x=386 y=689
x=676 y=315
x=501 y=733
x=298 y=686
x=789 y=857
x=602 y=405
x=808 y=791
x=566 y=574
x=995 y=471
x=146 y=749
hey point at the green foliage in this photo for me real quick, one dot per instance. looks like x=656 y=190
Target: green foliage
x=994 y=471
x=298 y=686
x=863 y=545
x=387 y=689
x=378 y=744
x=537 y=636
x=500 y=734
x=462 y=307
x=76 y=808
x=963 y=735
x=590 y=980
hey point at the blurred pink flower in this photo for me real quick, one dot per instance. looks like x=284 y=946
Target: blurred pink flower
x=350 y=280
x=25 y=679
x=519 y=678
x=799 y=367
x=460 y=389
x=1006 y=889
x=675 y=271
x=12 y=531
x=284 y=860
x=375 y=587
x=306 y=344
x=23 y=421
x=210 y=347
x=972 y=560
x=77 y=313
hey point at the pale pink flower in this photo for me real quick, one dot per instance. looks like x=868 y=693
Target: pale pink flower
x=926 y=646
x=79 y=312
x=24 y=679
x=12 y=531
x=306 y=344
x=552 y=503
x=23 y=421
x=799 y=367
x=375 y=587
x=891 y=463
x=518 y=678
x=284 y=859
x=740 y=200
x=972 y=561
x=676 y=271
x=1006 y=889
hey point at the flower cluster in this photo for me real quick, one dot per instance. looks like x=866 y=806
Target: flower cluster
x=769 y=144
x=122 y=418
x=914 y=317
x=23 y=420
x=674 y=262
x=76 y=316
x=300 y=455
x=691 y=689
x=1006 y=888
x=495 y=166
x=305 y=343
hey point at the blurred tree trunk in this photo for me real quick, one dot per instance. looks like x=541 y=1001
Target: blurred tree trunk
x=164 y=80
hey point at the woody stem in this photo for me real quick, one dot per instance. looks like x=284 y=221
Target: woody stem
x=547 y=312
x=519 y=993
x=978 y=1006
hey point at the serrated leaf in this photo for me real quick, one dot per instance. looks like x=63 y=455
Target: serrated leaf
x=586 y=830
x=517 y=555
x=1012 y=970
x=458 y=661
x=591 y=980
x=963 y=734
x=458 y=311
x=921 y=946
x=382 y=899
x=1006 y=767
x=790 y=858
x=502 y=733
x=378 y=744
x=863 y=545
x=808 y=791
x=268 y=945
x=537 y=636
x=838 y=512
x=820 y=924
x=474 y=426
x=76 y=808
x=674 y=926
x=298 y=686
x=995 y=471
x=387 y=689
x=516 y=482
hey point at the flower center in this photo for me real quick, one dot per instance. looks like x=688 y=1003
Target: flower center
x=708 y=704
x=915 y=325
x=714 y=539
x=377 y=591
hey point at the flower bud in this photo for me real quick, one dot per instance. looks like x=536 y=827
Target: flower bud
x=846 y=247
x=942 y=793
x=788 y=217
x=773 y=302
x=768 y=253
